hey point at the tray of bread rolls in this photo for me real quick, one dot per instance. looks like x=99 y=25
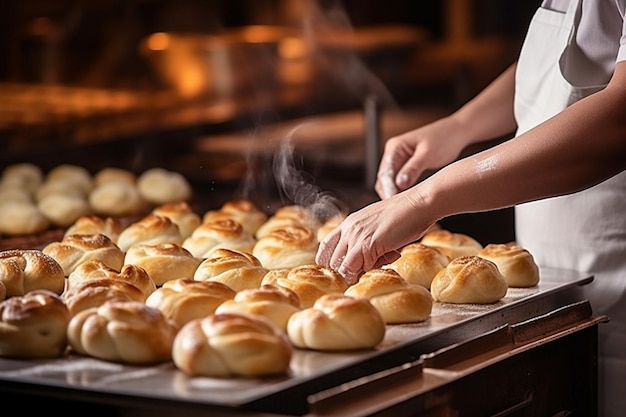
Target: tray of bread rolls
x=227 y=309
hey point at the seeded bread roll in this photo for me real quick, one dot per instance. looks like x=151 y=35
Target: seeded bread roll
x=310 y=282
x=183 y=300
x=469 y=280
x=94 y=292
x=292 y=215
x=452 y=244
x=273 y=302
x=117 y=198
x=123 y=331
x=150 y=230
x=238 y=270
x=26 y=270
x=73 y=250
x=288 y=247
x=337 y=322
x=161 y=186
x=241 y=210
x=226 y=345
x=516 y=264
x=182 y=214
x=163 y=261
x=33 y=325
x=220 y=234
x=397 y=300
x=418 y=263
x=96 y=269
x=21 y=218
x=90 y=224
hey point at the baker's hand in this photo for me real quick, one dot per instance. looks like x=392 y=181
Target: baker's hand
x=407 y=156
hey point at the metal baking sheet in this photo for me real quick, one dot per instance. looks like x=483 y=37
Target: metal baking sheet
x=310 y=371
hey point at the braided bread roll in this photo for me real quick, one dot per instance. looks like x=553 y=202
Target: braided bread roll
x=150 y=230
x=25 y=270
x=95 y=292
x=287 y=247
x=91 y=224
x=337 y=322
x=241 y=210
x=221 y=234
x=397 y=300
x=163 y=261
x=96 y=269
x=418 y=263
x=469 y=279
x=227 y=344
x=33 y=325
x=182 y=214
x=73 y=250
x=452 y=244
x=287 y=216
x=516 y=264
x=238 y=270
x=123 y=331
x=183 y=300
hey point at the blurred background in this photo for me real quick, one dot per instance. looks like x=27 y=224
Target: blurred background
x=221 y=90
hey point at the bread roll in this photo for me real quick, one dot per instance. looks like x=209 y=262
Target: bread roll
x=182 y=214
x=515 y=263
x=96 y=269
x=117 y=198
x=150 y=230
x=74 y=176
x=397 y=300
x=90 y=224
x=33 y=325
x=163 y=261
x=73 y=250
x=161 y=186
x=25 y=175
x=273 y=302
x=223 y=345
x=113 y=174
x=337 y=322
x=58 y=188
x=238 y=270
x=288 y=247
x=183 y=299
x=241 y=210
x=94 y=292
x=21 y=218
x=123 y=331
x=63 y=210
x=310 y=282
x=418 y=263
x=292 y=215
x=469 y=280
x=26 y=270
x=220 y=234
x=452 y=244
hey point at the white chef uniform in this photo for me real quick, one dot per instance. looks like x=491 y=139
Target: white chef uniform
x=570 y=51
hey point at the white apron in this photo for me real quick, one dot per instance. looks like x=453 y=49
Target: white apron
x=585 y=231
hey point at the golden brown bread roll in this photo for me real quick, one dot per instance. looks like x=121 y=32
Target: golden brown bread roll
x=123 y=331
x=469 y=279
x=161 y=186
x=238 y=270
x=182 y=214
x=25 y=270
x=163 y=261
x=183 y=300
x=516 y=264
x=33 y=325
x=94 y=292
x=310 y=282
x=241 y=210
x=418 y=263
x=73 y=250
x=150 y=230
x=220 y=234
x=287 y=247
x=117 y=198
x=397 y=300
x=292 y=215
x=273 y=302
x=96 y=269
x=452 y=244
x=223 y=345
x=337 y=322
x=21 y=218
x=90 y=224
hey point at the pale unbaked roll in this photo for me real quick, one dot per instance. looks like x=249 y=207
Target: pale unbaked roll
x=96 y=269
x=287 y=247
x=397 y=300
x=117 y=198
x=25 y=175
x=33 y=325
x=220 y=234
x=150 y=230
x=113 y=174
x=22 y=218
x=337 y=322
x=452 y=244
x=163 y=261
x=418 y=263
x=25 y=270
x=161 y=186
x=123 y=331
x=73 y=250
x=469 y=280
x=228 y=344
x=63 y=210
x=516 y=264
x=238 y=270
x=182 y=214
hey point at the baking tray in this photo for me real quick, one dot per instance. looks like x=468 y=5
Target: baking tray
x=93 y=380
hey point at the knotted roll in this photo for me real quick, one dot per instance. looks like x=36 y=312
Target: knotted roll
x=94 y=292
x=73 y=250
x=418 y=263
x=452 y=244
x=273 y=302
x=238 y=270
x=337 y=322
x=150 y=230
x=310 y=282
x=163 y=261
x=227 y=344
x=90 y=224
x=182 y=214
x=123 y=331
x=286 y=216
x=516 y=264
x=183 y=300
x=241 y=210
x=25 y=270
x=469 y=279
x=397 y=300
x=220 y=234
x=96 y=269
x=287 y=247
x=33 y=325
